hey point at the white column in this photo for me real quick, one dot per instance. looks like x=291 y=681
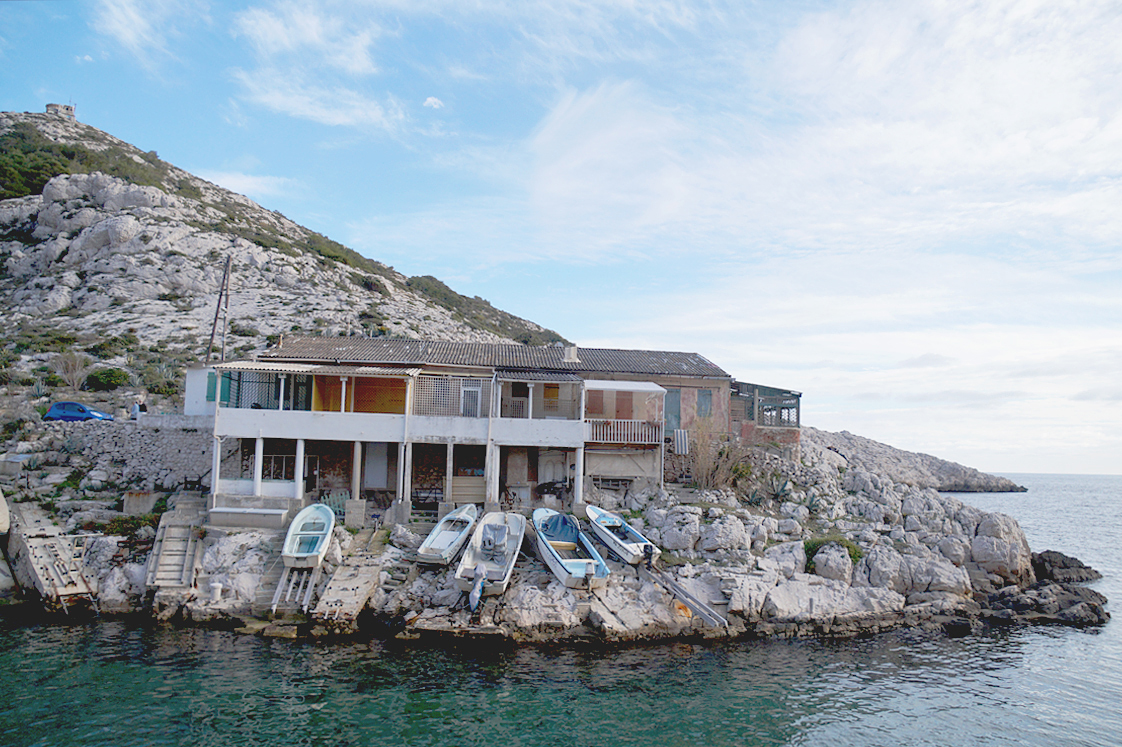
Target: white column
x=491 y=470
x=407 y=495
x=448 y=473
x=298 y=470
x=280 y=399
x=578 y=485
x=356 y=471
x=258 y=459
x=530 y=403
x=343 y=394
x=215 y=468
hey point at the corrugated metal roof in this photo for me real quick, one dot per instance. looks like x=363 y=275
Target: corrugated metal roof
x=313 y=369
x=427 y=352
x=553 y=377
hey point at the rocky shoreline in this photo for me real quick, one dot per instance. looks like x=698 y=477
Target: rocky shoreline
x=835 y=551
x=832 y=550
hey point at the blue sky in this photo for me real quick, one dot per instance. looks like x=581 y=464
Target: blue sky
x=907 y=211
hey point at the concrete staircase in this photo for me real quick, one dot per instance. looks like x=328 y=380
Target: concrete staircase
x=177 y=550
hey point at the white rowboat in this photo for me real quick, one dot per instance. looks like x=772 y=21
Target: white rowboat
x=308 y=537
x=624 y=539
x=448 y=536
x=568 y=551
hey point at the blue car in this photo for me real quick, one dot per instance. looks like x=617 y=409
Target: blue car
x=75 y=411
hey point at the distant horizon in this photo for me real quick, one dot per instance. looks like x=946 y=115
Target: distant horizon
x=904 y=211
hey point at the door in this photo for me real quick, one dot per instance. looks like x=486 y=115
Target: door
x=673 y=409
x=471 y=396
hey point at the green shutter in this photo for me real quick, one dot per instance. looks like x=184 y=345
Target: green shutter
x=210 y=386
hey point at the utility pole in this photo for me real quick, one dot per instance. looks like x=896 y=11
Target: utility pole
x=221 y=310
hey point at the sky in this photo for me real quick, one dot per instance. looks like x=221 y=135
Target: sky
x=908 y=211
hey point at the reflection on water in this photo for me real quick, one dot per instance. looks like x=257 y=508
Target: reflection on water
x=114 y=683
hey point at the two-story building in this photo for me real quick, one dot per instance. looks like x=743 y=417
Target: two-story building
x=407 y=424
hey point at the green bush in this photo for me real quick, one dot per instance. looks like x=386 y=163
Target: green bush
x=812 y=546
x=106 y=379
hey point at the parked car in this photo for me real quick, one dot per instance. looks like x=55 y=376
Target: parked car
x=75 y=411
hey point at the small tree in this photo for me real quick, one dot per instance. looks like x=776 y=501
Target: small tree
x=716 y=461
x=72 y=368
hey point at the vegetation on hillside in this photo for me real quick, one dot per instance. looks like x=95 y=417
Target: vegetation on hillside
x=480 y=314
x=28 y=160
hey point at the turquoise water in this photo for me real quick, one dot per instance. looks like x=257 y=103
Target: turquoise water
x=112 y=683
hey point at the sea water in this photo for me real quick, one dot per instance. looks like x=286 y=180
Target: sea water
x=114 y=683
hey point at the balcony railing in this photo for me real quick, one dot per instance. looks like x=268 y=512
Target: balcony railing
x=624 y=432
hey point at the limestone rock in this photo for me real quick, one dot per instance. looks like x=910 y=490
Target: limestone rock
x=832 y=561
x=727 y=533
x=1000 y=548
x=789 y=557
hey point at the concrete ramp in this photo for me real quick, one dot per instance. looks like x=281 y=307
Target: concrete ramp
x=351 y=586
x=46 y=560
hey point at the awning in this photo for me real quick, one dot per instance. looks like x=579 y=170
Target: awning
x=549 y=377
x=623 y=386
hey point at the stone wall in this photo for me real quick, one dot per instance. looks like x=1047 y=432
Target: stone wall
x=140 y=454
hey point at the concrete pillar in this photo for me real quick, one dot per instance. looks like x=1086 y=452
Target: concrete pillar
x=215 y=469
x=578 y=485
x=407 y=487
x=356 y=471
x=491 y=470
x=446 y=504
x=258 y=464
x=298 y=471
x=530 y=403
x=343 y=394
x=280 y=399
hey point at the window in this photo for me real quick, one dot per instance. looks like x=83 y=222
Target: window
x=704 y=403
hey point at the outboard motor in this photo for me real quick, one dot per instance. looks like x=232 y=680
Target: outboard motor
x=477 y=588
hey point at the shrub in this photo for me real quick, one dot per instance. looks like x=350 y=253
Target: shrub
x=72 y=368
x=106 y=379
x=812 y=546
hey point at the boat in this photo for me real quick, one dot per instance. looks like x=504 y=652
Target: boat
x=448 y=536
x=568 y=551
x=308 y=536
x=621 y=538
x=489 y=557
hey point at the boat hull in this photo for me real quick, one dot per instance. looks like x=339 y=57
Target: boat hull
x=572 y=557
x=498 y=569
x=632 y=549
x=448 y=537
x=308 y=537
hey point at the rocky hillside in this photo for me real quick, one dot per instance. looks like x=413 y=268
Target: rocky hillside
x=108 y=249
x=906 y=467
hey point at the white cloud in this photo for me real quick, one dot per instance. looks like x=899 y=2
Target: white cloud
x=311 y=37
x=145 y=29
x=250 y=185
x=285 y=93
x=83 y=59
x=434 y=102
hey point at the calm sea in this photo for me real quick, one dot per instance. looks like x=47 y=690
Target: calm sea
x=111 y=683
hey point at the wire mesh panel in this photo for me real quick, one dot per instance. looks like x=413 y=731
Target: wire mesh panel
x=254 y=389
x=452 y=396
